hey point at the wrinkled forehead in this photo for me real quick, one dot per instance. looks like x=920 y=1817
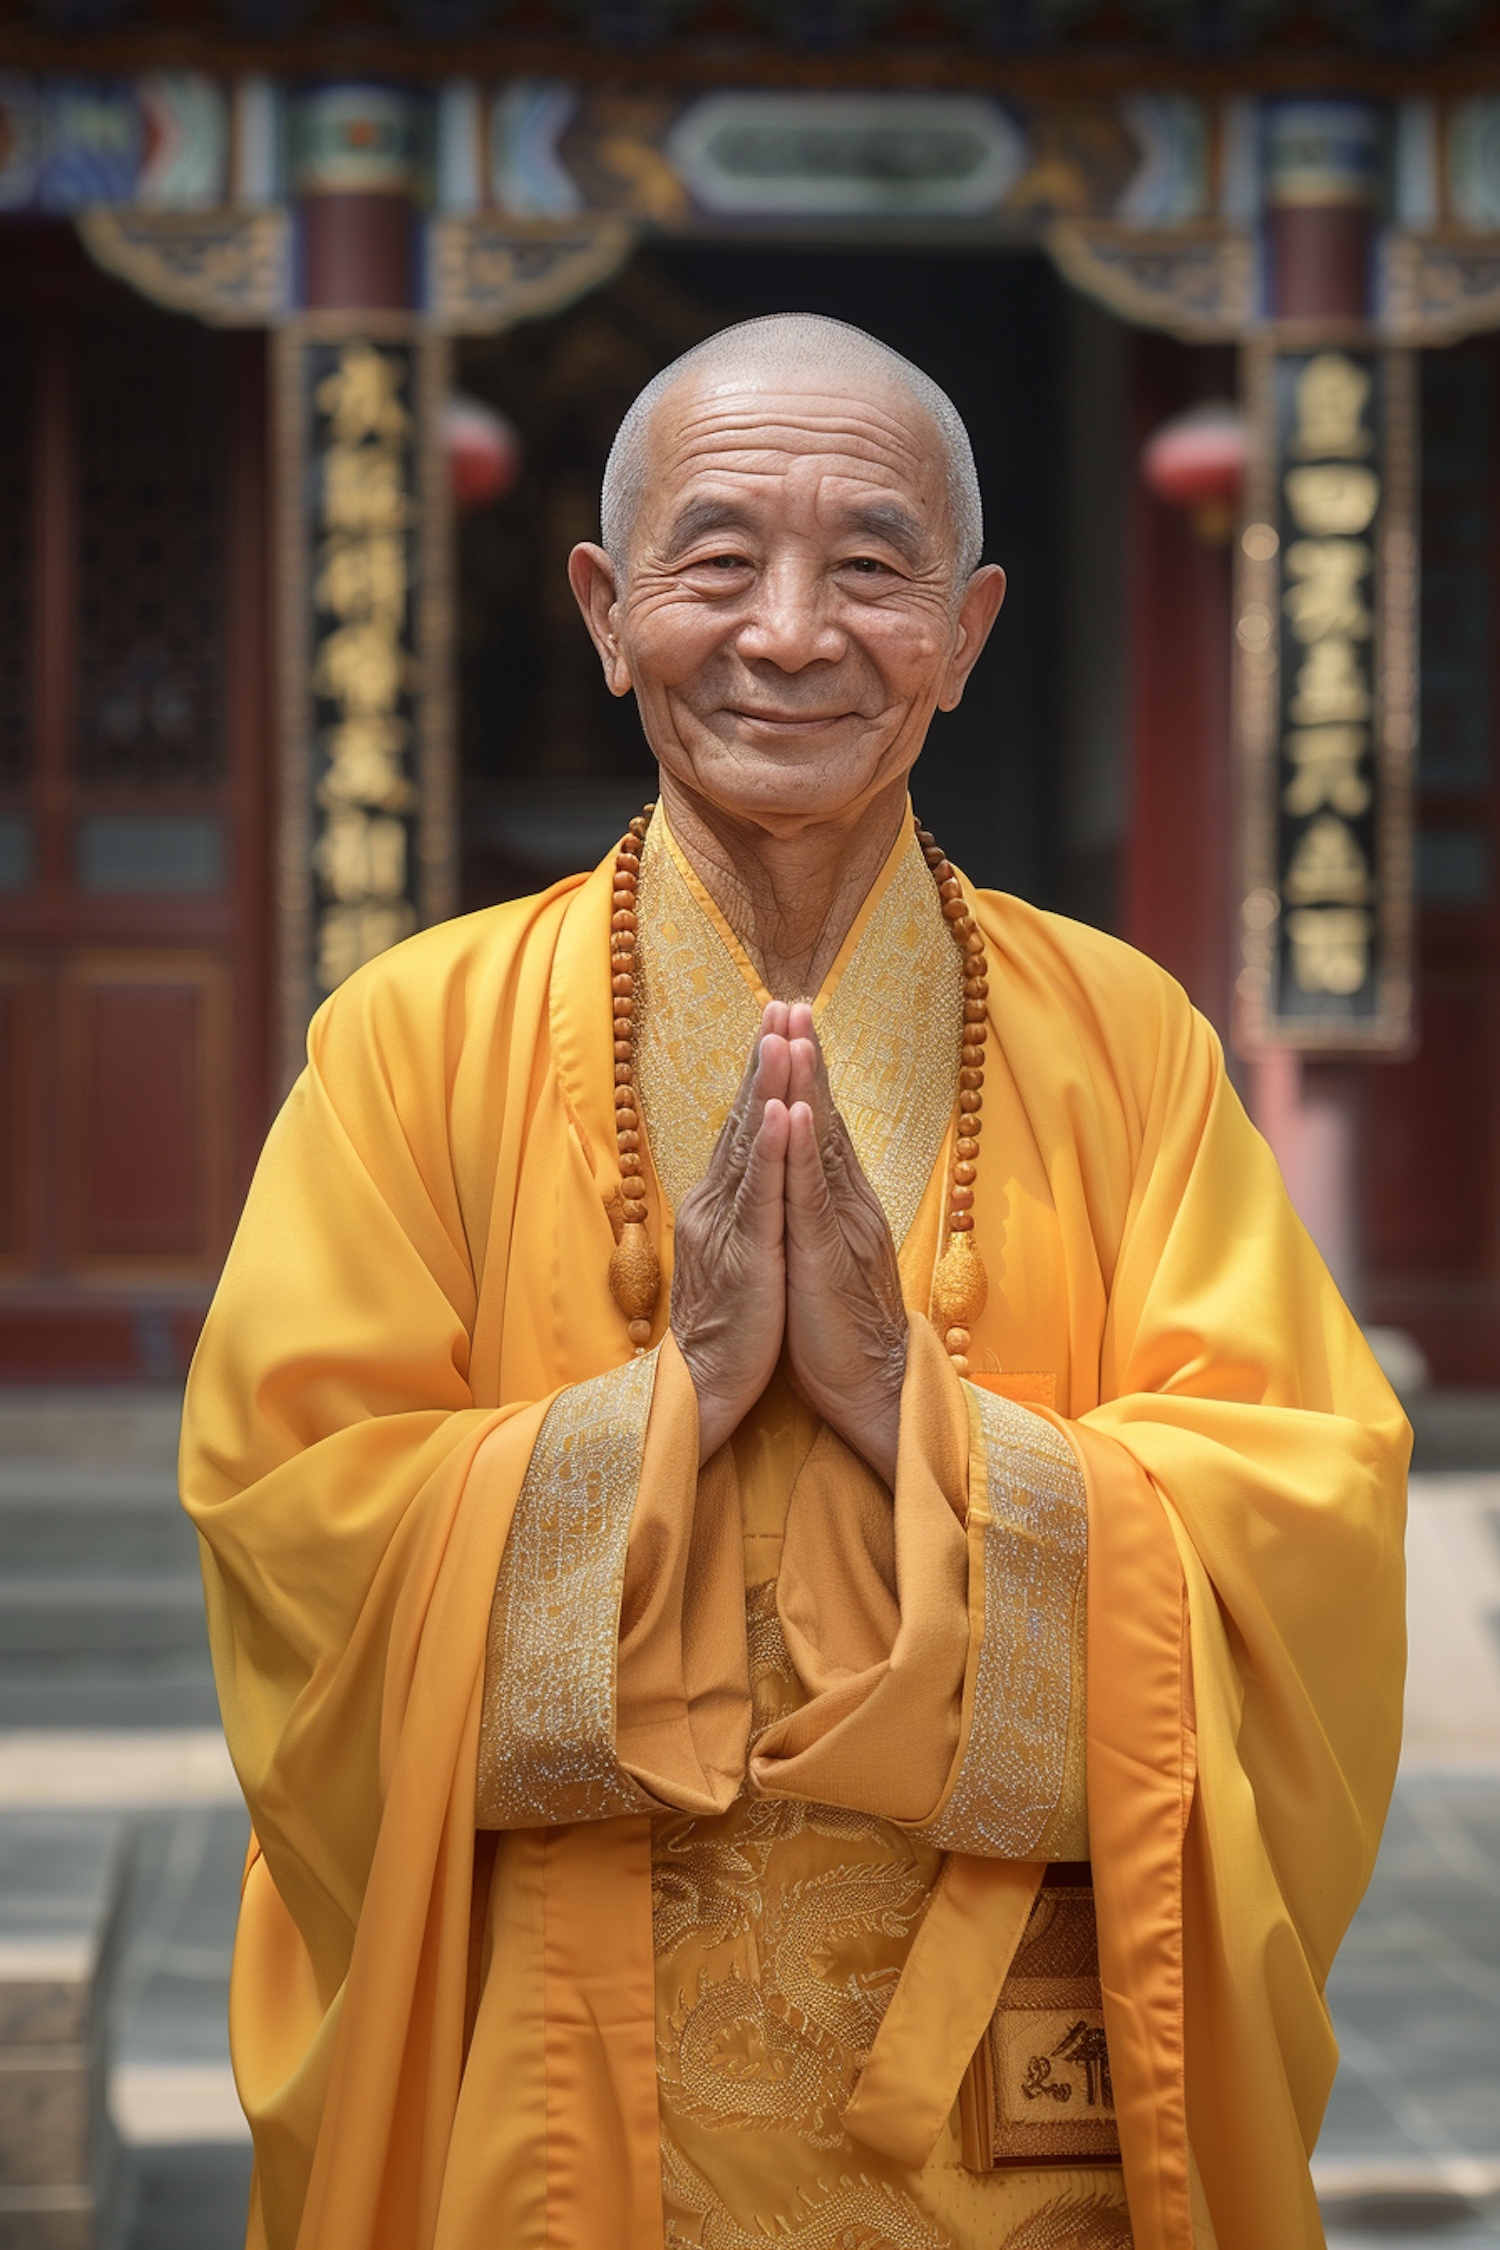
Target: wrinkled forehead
x=847 y=427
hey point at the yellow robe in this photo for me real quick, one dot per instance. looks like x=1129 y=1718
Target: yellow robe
x=619 y=1666
x=444 y=2039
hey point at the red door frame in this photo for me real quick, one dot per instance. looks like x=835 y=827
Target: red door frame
x=1178 y=876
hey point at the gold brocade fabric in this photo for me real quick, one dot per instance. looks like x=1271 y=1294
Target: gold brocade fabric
x=696 y=1016
x=547 y=1729
x=1011 y=1798
x=781 y=1928
x=892 y=1028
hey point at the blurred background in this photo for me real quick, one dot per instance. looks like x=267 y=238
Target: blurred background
x=316 y=320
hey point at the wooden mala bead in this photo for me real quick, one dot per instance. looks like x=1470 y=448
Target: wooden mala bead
x=960 y=1285
x=634 y=1270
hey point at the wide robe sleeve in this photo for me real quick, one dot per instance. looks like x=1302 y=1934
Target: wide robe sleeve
x=353 y=1463
x=329 y=1435
x=1243 y=1462
x=1245 y=1467
x=616 y=1672
x=1241 y=1408
x=937 y=1631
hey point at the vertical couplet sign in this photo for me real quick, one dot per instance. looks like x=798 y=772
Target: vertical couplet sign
x=1327 y=701
x=365 y=752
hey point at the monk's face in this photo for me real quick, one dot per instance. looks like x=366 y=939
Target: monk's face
x=790 y=614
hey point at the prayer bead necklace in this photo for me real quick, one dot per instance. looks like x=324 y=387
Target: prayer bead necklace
x=959 y=1285
x=634 y=1270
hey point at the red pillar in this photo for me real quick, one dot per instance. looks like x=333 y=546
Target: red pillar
x=354 y=178
x=1178 y=890
x=1323 y=163
x=1182 y=881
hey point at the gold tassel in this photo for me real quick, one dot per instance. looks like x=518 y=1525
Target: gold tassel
x=959 y=1286
x=635 y=1280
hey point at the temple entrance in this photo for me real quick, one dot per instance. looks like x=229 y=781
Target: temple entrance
x=552 y=765
x=137 y=742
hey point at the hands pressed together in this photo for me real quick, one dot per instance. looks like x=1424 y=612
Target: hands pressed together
x=784 y=1240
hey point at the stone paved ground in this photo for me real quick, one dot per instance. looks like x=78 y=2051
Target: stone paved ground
x=189 y=2198
x=171 y=2041
x=112 y=1700
x=1410 y=2150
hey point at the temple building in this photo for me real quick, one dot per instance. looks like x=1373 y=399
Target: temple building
x=316 y=319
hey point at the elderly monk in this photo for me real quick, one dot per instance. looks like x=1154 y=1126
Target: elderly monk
x=803 y=1561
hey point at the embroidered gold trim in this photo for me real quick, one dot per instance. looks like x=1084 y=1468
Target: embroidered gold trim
x=547 y=1731
x=892 y=1030
x=695 y=1022
x=1008 y=1795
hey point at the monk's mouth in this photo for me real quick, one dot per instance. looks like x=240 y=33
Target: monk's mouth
x=794 y=722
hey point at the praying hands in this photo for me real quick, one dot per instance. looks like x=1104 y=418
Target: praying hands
x=784 y=1242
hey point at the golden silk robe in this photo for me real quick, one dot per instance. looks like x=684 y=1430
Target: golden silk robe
x=480 y=1627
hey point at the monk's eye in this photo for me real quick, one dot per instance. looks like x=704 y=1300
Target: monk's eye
x=725 y=562
x=868 y=566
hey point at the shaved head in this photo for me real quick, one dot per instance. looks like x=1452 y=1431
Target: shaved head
x=797 y=345
x=790 y=584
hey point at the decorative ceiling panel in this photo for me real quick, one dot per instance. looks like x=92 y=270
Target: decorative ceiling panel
x=1202 y=30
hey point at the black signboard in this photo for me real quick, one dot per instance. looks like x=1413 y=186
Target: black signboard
x=364 y=718
x=1326 y=628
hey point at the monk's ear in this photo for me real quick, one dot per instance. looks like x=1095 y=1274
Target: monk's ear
x=591 y=575
x=976 y=614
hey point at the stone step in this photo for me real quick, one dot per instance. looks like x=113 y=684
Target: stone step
x=62 y=1889
x=119 y=1426
x=119 y=1693
x=1453 y=1622
x=101 y=1598
x=44 y=1479
x=49 y=1537
x=49 y=1614
x=114 y=1769
x=90 y=1517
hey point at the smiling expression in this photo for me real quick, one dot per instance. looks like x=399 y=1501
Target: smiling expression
x=792 y=612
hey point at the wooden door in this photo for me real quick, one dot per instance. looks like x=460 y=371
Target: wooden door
x=133 y=769
x=1432 y=1188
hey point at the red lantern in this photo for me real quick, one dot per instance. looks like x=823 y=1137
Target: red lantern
x=484 y=452
x=1196 y=461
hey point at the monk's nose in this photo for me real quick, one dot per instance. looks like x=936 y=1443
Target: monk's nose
x=788 y=625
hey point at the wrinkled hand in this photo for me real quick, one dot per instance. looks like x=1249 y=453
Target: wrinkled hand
x=729 y=1263
x=845 y=1318
x=784 y=1237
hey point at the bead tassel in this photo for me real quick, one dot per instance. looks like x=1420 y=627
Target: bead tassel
x=960 y=1285
x=634 y=1270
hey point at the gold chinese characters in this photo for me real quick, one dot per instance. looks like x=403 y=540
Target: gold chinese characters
x=363 y=663
x=1332 y=500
